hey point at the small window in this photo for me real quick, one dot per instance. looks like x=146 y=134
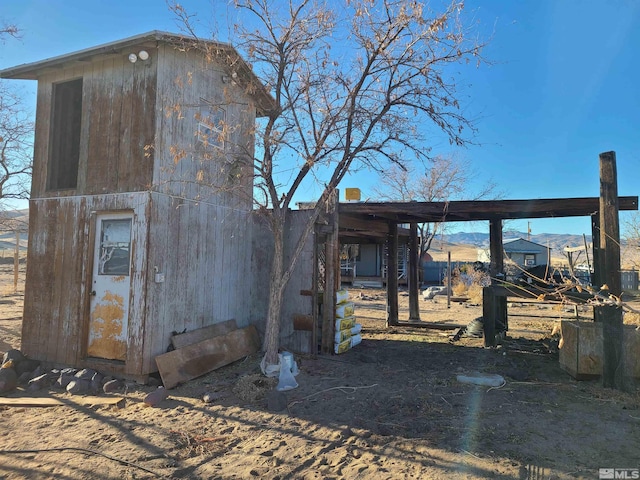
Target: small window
x=529 y=260
x=115 y=247
x=211 y=122
x=64 y=152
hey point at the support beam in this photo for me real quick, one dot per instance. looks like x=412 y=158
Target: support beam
x=414 y=284
x=610 y=316
x=392 y=275
x=332 y=278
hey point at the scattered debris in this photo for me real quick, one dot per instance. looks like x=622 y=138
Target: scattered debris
x=254 y=387
x=484 y=379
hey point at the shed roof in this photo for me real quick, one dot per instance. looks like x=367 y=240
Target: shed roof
x=371 y=220
x=520 y=245
x=245 y=75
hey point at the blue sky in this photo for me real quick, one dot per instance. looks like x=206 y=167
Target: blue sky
x=562 y=87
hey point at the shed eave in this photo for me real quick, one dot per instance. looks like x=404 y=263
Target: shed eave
x=31 y=71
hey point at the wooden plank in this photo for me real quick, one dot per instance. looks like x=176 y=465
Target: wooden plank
x=392 y=276
x=469 y=210
x=56 y=402
x=194 y=336
x=203 y=357
x=434 y=325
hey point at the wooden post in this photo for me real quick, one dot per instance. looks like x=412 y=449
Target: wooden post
x=496 y=267
x=16 y=262
x=596 y=277
x=392 y=275
x=332 y=277
x=488 y=316
x=494 y=308
x=414 y=287
x=449 y=286
x=610 y=315
x=315 y=300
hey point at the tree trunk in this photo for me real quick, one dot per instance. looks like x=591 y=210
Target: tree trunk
x=276 y=292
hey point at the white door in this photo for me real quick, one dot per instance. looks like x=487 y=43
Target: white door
x=110 y=287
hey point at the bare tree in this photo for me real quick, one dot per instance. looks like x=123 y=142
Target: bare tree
x=16 y=135
x=631 y=246
x=8 y=30
x=356 y=84
x=444 y=178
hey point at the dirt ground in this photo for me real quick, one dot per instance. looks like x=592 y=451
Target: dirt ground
x=390 y=408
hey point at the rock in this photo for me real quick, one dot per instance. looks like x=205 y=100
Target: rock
x=63 y=380
x=42 y=381
x=95 y=386
x=155 y=397
x=27 y=365
x=210 y=397
x=13 y=354
x=8 y=378
x=112 y=386
x=24 y=378
x=37 y=371
x=79 y=386
x=96 y=383
x=85 y=374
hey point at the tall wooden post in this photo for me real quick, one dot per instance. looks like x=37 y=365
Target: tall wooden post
x=392 y=275
x=414 y=287
x=596 y=278
x=16 y=262
x=609 y=259
x=494 y=308
x=496 y=267
x=488 y=316
x=332 y=277
x=449 y=286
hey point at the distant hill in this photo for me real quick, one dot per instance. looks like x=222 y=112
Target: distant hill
x=10 y=222
x=556 y=241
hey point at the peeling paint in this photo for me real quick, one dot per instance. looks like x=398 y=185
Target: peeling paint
x=120 y=278
x=106 y=338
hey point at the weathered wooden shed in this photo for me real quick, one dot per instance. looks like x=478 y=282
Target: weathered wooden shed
x=140 y=209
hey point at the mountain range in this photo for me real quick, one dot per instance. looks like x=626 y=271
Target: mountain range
x=556 y=241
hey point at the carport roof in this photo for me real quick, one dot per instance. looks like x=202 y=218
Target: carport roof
x=370 y=220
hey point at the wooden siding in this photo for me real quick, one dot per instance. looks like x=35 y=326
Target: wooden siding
x=302 y=279
x=59 y=265
x=118 y=121
x=197 y=238
x=203 y=250
x=184 y=167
